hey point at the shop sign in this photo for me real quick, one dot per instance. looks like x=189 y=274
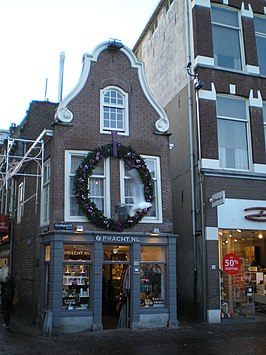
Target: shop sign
x=231 y=263
x=116 y=239
x=218 y=199
x=66 y=226
x=259 y=216
x=4 y=223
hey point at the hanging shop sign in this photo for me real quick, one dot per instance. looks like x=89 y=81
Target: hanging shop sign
x=231 y=263
x=259 y=216
x=4 y=223
x=218 y=199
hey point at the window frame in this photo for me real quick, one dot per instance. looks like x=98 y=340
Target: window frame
x=239 y=29
x=248 y=131
x=158 y=218
x=68 y=175
x=45 y=193
x=261 y=35
x=124 y=107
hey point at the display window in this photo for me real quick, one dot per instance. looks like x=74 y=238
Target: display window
x=76 y=277
x=152 y=276
x=47 y=259
x=242 y=257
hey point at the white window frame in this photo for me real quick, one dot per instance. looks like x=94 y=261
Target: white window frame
x=248 y=132
x=45 y=193
x=263 y=35
x=108 y=130
x=20 y=201
x=107 y=203
x=240 y=36
x=158 y=218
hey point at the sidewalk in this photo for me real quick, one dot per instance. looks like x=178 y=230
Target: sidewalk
x=191 y=337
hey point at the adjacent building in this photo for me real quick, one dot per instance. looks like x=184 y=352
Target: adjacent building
x=87 y=186
x=205 y=63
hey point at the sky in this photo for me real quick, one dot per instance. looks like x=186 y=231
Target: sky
x=33 y=33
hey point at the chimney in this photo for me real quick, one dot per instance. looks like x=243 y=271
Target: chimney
x=61 y=75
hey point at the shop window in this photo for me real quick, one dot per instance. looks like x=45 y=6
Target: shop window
x=260 y=32
x=76 y=277
x=98 y=185
x=155 y=213
x=152 y=276
x=226 y=38
x=243 y=273
x=45 y=202
x=114 y=110
x=232 y=133
x=47 y=258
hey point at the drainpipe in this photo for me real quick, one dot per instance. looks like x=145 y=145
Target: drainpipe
x=191 y=154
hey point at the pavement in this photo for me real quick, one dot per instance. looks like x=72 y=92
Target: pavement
x=193 y=338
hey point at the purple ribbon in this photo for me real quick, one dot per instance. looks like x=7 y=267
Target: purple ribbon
x=115 y=141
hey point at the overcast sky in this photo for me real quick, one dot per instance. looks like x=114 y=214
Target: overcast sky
x=34 y=32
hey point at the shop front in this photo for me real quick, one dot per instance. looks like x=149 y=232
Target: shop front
x=242 y=259
x=98 y=281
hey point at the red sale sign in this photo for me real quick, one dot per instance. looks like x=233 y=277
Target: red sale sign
x=231 y=263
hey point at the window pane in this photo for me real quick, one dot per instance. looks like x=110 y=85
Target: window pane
x=77 y=252
x=152 y=285
x=261 y=49
x=75 y=162
x=260 y=24
x=76 y=292
x=226 y=47
x=152 y=253
x=227 y=107
x=232 y=140
x=224 y=16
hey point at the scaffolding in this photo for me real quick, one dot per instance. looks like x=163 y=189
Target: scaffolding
x=16 y=154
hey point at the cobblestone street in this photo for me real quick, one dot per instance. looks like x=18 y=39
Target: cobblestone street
x=189 y=338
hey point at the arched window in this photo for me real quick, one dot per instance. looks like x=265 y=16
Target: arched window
x=114 y=110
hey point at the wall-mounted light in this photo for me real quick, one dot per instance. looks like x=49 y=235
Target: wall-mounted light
x=260 y=236
x=79 y=228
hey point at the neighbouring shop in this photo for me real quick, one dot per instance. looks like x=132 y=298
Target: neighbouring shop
x=98 y=281
x=242 y=261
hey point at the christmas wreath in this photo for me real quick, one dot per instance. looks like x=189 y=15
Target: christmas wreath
x=85 y=170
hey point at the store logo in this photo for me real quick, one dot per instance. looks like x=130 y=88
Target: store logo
x=260 y=216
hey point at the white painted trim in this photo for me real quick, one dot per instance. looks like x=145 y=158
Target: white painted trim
x=205 y=3
x=259 y=168
x=248 y=12
x=211 y=233
x=208 y=94
x=252 y=69
x=225 y=2
x=232 y=89
x=65 y=115
x=203 y=60
x=210 y=164
x=255 y=101
x=264 y=10
x=214 y=315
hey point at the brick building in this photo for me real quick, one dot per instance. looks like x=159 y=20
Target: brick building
x=205 y=64
x=87 y=184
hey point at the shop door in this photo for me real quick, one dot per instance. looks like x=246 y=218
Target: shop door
x=116 y=287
